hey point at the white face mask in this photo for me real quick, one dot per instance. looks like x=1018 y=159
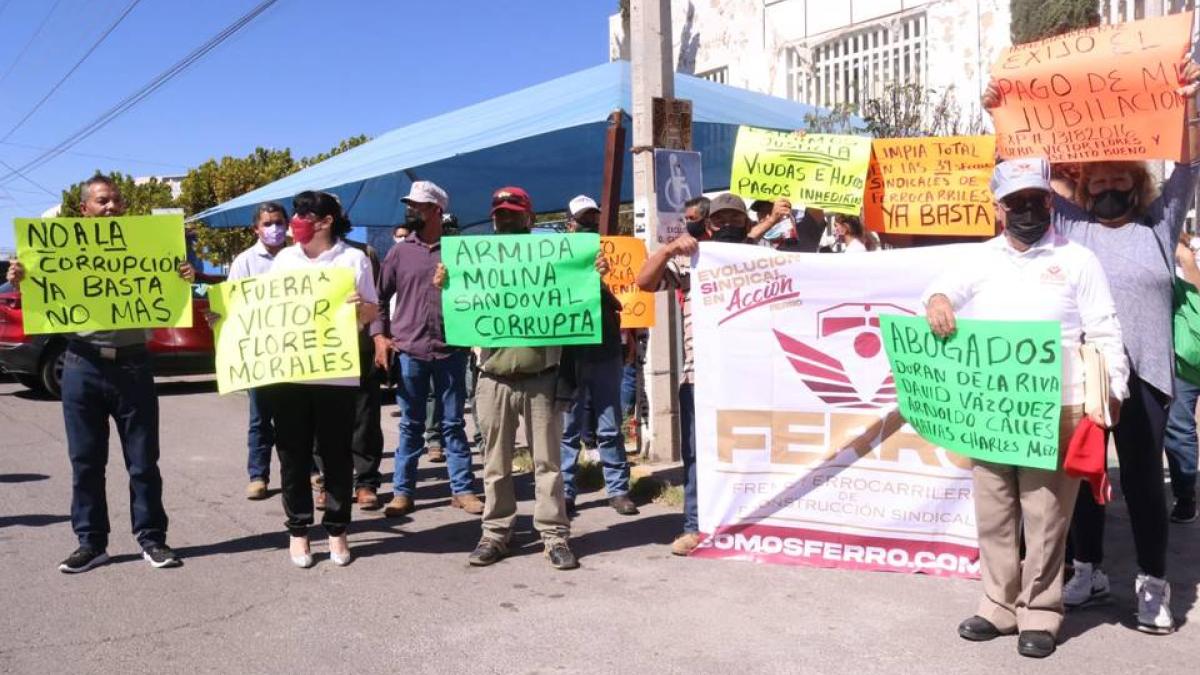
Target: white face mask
x=273 y=235
x=397 y=240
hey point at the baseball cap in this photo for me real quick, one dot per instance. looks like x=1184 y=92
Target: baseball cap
x=427 y=192
x=511 y=199
x=726 y=201
x=580 y=204
x=1015 y=175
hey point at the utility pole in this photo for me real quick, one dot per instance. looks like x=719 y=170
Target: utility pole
x=653 y=74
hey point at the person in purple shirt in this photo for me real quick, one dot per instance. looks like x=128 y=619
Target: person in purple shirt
x=417 y=350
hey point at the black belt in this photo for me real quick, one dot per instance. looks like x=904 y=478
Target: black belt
x=126 y=353
x=518 y=377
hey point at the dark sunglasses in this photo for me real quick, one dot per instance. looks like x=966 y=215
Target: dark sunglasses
x=508 y=199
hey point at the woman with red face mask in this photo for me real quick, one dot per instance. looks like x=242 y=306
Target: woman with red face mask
x=319 y=412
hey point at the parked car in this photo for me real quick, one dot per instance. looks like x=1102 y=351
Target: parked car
x=36 y=360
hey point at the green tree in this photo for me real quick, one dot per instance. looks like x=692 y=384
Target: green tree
x=139 y=199
x=1037 y=19
x=907 y=110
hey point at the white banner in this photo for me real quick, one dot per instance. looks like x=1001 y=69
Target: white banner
x=802 y=457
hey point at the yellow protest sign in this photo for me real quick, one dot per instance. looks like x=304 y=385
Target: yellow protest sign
x=625 y=256
x=89 y=274
x=1104 y=93
x=820 y=171
x=931 y=186
x=291 y=326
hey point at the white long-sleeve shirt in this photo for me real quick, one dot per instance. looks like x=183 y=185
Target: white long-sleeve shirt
x=252 y=262
x=1054 y=280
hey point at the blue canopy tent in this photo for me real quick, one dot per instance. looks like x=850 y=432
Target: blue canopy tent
x=548 y=138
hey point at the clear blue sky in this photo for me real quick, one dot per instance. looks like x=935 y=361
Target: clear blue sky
x=304 y=75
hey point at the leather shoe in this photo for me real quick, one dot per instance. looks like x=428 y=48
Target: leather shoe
x=1036 y=644
x=320 y=500
x=399 y=506
x=467 y=502
x=436 y=454
x=979 y=629
x=366 y=498
x=561 y=557
x=623 y=505
x=486 y=552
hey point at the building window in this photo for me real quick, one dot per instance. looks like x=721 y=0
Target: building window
x=855 y=66
x=718 y=75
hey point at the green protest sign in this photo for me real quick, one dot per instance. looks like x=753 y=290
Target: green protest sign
x=992 y=391
x=821 y=171
x=88 y=274
x=521 y=290
x=291 y=326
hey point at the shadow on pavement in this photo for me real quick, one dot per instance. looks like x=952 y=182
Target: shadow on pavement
x=22 y=477
x=631 y=533
x=32 y=520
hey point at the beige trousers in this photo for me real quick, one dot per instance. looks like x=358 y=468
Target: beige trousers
x=501 y=403
x=1028 y=597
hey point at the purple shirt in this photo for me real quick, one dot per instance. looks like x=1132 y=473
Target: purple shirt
x=416 y=327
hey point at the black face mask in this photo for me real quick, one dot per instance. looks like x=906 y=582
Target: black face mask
x=696 y=229
x=1029 y=224
x=587 y=226
x=413 y=222
x=1112 y=204
x=730 y=235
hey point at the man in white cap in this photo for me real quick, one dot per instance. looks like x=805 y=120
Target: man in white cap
x=584 y=213
x=416 y=334
x=1030 y=272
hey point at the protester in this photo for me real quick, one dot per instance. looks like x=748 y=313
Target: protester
x=270 y=226
x=417 y=337
x=1115 y=214
x=367 y=444
x=598 y=373
x=777 y=225
x=669 y=268
x=320 y=413
x=850 y=233
x=1030 y=273
x=515 y=383
x=107 y=374
x=1181 y=442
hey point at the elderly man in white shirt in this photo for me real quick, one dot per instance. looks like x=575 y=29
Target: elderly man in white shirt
x=1030 y=273
x=270 y=226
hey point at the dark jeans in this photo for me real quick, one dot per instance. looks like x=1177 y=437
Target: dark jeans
x=449 y=377
x=601 y=383
x=628 y=389
x=1181 y=443
x=367 y=445
x=687 y=450
x=1139 y=439
x=322 y=414
x=94 y=389
x=433 y=420
x=260 y=438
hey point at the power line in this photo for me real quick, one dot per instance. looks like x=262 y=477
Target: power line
x=33 y=39
x=141 y=94
x=27 y=178
x=94 y=155
x=70 y=72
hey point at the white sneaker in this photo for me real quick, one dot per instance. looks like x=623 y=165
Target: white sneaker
x=1154 y=605
x=1089 y=585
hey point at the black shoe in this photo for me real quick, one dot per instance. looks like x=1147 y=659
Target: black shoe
x=561 y=557
x=1184 y=511
x=623 y=505
x=160 y=556
x=979 y=629
x=1036 y=644
x=83 y=559
x=486 y=552
x=571 y=510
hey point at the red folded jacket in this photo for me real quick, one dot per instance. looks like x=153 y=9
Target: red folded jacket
x=1087 y=458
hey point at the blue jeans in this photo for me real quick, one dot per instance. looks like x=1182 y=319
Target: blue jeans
x=260 y=438
x=1180 y=442
x=628 y=389
x=94 y=389
x=601 y=383
x=449 y=377
x=687 y=450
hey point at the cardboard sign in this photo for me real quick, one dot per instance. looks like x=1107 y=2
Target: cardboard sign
x=931 y=186
x=625 y=256
x=90 y=274
x=820 y=171
x=1105 y=93
x=992 y=391
x=522 y=290
x=293 y=326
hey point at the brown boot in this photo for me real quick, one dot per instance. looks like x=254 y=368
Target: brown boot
x=436 y=454
x=366 y=498
x=467 y=502
x=257 y=489
x=399 y=506
x=685 y=543
x=320 y=499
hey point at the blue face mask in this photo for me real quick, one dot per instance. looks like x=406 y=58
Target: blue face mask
x=273 y=235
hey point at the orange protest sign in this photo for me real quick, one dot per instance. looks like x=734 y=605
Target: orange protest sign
x=931 y=186
x=1104 y=93
x=625 y=256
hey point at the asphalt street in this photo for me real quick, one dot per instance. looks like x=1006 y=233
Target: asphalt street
x=410 y=602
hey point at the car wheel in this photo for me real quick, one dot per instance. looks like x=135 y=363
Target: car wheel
x=30 y=381
x=50 y=372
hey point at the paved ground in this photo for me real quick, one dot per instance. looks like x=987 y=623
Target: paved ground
x=411 y=603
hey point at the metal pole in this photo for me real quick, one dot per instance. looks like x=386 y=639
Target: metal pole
x=653 y=73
